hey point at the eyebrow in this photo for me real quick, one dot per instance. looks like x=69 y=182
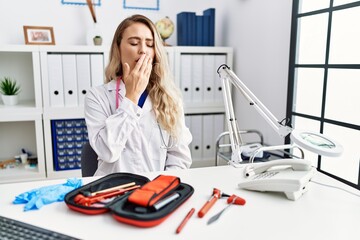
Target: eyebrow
x=137 y=38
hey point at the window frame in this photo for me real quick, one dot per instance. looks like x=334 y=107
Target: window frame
x=293 y=66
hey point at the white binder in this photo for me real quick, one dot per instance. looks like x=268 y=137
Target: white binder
x=70 y=80
x=219 y=60
x=97 y=69
x=185 y=77
x=196 y=130
x=209 y=76
x=56 y=88
x=83 y=76
x=208 y=137
x=197 y=78
x=219 y=125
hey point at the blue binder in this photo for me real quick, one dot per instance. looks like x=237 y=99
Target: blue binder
x=192 y=29
x=199 y=31
x=206 y=31
x=181 y=20
x=211 y=13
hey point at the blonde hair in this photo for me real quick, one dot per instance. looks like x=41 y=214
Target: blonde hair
x=165 y=96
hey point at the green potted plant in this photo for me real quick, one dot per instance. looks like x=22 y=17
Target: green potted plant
x=97 y=40
x=9 y=90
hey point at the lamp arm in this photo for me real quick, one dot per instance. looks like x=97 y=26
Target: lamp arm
x=235 y=137
x=227 y=75
x=314 y=142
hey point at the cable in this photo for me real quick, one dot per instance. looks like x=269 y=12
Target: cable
x=285 y=122
x=323 y=184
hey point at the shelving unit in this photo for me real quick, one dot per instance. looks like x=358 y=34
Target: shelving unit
x=21 y=125
x=28 y=124
x=91 y=73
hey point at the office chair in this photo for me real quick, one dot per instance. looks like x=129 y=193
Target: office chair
x=89 y=160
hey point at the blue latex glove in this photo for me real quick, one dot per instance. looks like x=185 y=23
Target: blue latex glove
x=36 y=198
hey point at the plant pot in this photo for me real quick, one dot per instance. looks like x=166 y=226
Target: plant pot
x=10 y=100
x=97 y=41
x=93 y=31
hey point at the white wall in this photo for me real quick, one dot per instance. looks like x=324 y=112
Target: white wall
x=258 y=30
x=72 y=22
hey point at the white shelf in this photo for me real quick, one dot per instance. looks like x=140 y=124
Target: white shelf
x=64 y=112
x=54 y=48
x=21 y=125
x=23 y=111
x=206 y=50
x=63 y=174
x=21 y=173
x=25 y=104
x=75 y=49
x=18 y=48
x=202 y=108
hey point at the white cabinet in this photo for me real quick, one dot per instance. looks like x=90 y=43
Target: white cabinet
x=21 y=125
x=67 y=74
x=54 y=81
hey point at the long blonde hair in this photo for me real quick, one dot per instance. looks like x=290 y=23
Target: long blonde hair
x=165 y=96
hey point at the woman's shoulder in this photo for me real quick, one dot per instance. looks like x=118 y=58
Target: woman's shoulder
x=104 y=88
x=101 y=91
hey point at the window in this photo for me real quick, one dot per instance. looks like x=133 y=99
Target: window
x=324 y=80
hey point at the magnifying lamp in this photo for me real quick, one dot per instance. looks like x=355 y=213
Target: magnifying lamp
x=314 y=142
x=317 y=143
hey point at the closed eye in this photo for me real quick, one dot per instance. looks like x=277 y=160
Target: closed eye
x=134 y=41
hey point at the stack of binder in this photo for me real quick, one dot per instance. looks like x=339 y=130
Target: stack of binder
x=205 y=129
x=71 y=76
x=199 y=82
x=193 y=30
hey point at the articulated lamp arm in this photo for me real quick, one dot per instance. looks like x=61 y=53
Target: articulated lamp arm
x=311 y=141
x=228 y=77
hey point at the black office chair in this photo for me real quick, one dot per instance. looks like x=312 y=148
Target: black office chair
x=89 y=160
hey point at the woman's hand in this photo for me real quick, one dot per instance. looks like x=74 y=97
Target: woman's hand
x=137 y=79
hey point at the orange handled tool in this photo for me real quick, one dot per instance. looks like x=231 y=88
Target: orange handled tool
x=87 y=201
x=216 y=195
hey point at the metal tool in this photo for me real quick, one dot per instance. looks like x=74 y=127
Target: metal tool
x=233 y=199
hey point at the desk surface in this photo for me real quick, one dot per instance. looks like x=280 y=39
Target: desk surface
x=321 y=213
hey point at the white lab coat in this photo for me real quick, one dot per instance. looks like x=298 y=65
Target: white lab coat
x=128 y=139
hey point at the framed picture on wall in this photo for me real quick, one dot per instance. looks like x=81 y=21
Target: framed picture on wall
x=39 y=35
x=141 y=4
x=81 y=2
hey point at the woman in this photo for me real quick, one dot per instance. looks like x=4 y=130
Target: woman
x=135 y=120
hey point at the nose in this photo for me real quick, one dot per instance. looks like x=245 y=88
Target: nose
x=142 y=49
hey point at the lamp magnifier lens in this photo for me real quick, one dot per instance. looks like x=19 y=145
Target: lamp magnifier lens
x=316 y=143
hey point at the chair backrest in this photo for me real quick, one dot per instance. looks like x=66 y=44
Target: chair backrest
x=89 y=160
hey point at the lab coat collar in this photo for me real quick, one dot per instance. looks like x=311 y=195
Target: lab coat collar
x=111 y=86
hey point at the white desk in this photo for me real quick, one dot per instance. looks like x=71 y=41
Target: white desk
x=322 y=213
